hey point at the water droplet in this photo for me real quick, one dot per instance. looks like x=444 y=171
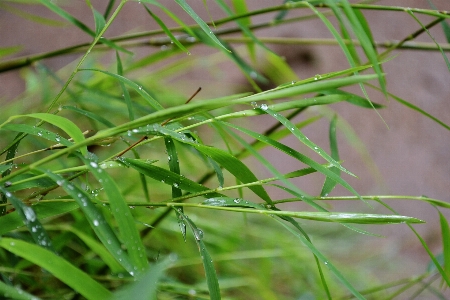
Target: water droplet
x=169 y=158
x=254 y=104
x=8 y=183
x=237 y=200
x=39 y=133
x=198 y=234
x=192 y=292
x=95 y=222
x=29 y=214
x=175 y=185
x=93 y=164
x=264 y=107
x=253 y=74
x=191 y=39
x=140 y=88
x=293 y=82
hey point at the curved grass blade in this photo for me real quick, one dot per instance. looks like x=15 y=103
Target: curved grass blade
x=329 y=183
x=124 y=218
x=139 y=89
x=147 y=286
x=321 y=257
x=445 y=229
x=14 y=292
x=30 y=219
x=413 y=107
x=65 y=15
x=90 y=115
x=98 y=19
x=353 y=99
x=210 y=271
x=228 y=161
x=11 y=151
x=200 y=22
x=59 y=267
x=39 y=132
x=126 y=94
x=65 y=124
x=94 y=246
x=424 y=245
x=167 y=30
x=43 y=210
x=96 y=220
x=304 y=139
x=166 y=176
x=429 y=34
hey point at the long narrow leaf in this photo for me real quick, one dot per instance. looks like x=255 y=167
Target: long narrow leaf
x=29 y=218
x=59 y=267
x=329 y=183
x=96 y=220
x=200 y=22
x=125 y=221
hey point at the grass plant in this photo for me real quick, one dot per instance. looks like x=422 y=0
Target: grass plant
x=116 y=184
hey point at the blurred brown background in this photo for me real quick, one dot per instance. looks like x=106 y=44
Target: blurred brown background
x=412 y=156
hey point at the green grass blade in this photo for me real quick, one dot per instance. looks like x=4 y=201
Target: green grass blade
x=329 y=183
x=39 y=132
x=147 y=286
x=74 y=21
x=444 y=24
x=138 y=88
x=126 y=94
x=59 y=267
x=90 y=115
x=124 y=218
x=29 y=218
x=5 y=51
x=43 y=210
x=226 y=160
x=200 y=22
x=354 y=99
x=424 y=245
x=366 y=42
x=322 y=258
x=65 y=15
x=434 y=40
x=14 y=292
x=297 y=155
x=96 y=220
x=95 y=247
x=167 y=30
x=445 y=229
x=304 y=139
x=413 y=107
x=174 y=165
x=65 y=124
x=166 y=176
x=241 y=24
x=210 y=271
x=312 y=87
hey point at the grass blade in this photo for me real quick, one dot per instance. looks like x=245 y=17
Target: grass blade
x=445 y=229
x=90 y=115
x=65 y=124
x=166 y=176
x=124 y=218
x=43 y=210
x=126 y=94
x=30 y=219
x=210 y=271
x=39 y=132
x=322 y=258
x=200 y=22
x=146 y=287
x=166 y=30
x=304 y=139
x=139 y=89
x=58 y=266
x=14 y=292
x=329 y=183
x=96 y=220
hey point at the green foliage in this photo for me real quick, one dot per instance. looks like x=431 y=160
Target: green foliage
x=95 y=214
